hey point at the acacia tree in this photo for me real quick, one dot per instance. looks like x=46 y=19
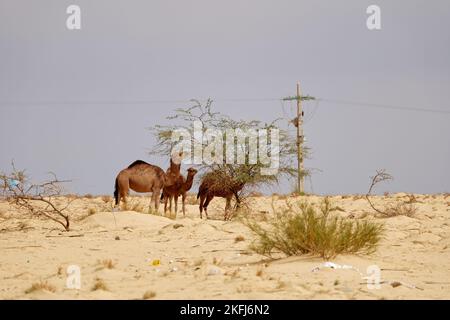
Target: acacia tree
x=247 y=173
x=39 y=200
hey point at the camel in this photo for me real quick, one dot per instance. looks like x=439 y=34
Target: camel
x=181 y=187
x=141 y=176
x=218 y=184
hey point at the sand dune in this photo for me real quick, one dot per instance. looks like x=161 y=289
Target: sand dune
x=201 y=259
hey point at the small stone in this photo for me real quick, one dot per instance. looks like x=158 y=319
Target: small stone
x=117 y=238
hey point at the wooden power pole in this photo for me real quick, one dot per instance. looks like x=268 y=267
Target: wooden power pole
x=298 y=122
x=300 y=176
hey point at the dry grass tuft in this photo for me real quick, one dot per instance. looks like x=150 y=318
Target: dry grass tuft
x=217 y=262
x=259 y=272
x=106 y=264
x=99 y=285
x=41 y=286
x=400 y=209
x=135 y=206
x=149 y=295
x=88 y=196
x=239 y=239
x=60 y=271
x=300 y=229
x=92 y=211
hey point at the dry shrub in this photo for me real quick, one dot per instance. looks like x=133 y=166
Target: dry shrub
x=400 y=209
x=405 y=208
x=88 y=196
x=92 y=211
x=42 y=200
x=299 y=229
x=41 y=286
x=106 y=199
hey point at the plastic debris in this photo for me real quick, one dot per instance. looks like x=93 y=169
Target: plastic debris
x=213 y=270
x=13 y=183
x=156 y=262
x=332 y=265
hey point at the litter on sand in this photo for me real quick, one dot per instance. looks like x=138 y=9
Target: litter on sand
x=156 y=262
x=332 y=265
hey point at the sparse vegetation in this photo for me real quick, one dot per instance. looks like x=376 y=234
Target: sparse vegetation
x=135 y=206
x=404 y=208
x=400 y=209
x=38 y=200
x=41 y=286
x=106 y=199
x=299 y=229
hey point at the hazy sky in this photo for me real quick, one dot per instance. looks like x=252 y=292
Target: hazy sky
x=128 y=51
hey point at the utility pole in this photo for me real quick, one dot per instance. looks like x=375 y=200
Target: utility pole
x=298 y=122
x=300 y=176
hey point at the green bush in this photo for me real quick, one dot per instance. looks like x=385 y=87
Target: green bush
x=298 y=229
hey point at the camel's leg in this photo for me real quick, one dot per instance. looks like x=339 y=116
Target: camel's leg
x=123 y=186
x=176 y=204
x=183 y=201
x=209 y=197
x=155 y=198
x=227 y=208
x=200 y=207
x=170 y=205
x=165 y=204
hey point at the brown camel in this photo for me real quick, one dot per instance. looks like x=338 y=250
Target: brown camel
x=141 y=176
x=181 y=187
x=218 y=184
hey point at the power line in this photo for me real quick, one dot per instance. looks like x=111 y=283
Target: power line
x=176 y=101
x=385 y=106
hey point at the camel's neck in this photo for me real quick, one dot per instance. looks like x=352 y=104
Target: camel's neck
x=189 y=180
x=174 y=168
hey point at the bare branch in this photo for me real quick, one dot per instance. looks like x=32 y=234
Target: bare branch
x=36 y=199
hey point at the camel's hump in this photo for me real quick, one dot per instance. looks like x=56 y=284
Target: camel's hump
x=138 y=162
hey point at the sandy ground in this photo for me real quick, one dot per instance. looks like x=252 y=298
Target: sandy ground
x=201 y=259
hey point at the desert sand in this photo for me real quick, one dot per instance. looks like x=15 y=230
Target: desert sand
x=211 y=259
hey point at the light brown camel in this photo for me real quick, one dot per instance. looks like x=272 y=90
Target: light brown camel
x=141 y=176
x=218 y=184
x=181 y=187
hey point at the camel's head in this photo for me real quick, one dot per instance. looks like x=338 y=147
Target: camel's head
x=176 y=157
x=192 y=171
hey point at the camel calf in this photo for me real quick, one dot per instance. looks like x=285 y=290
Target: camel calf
x=181 y=187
